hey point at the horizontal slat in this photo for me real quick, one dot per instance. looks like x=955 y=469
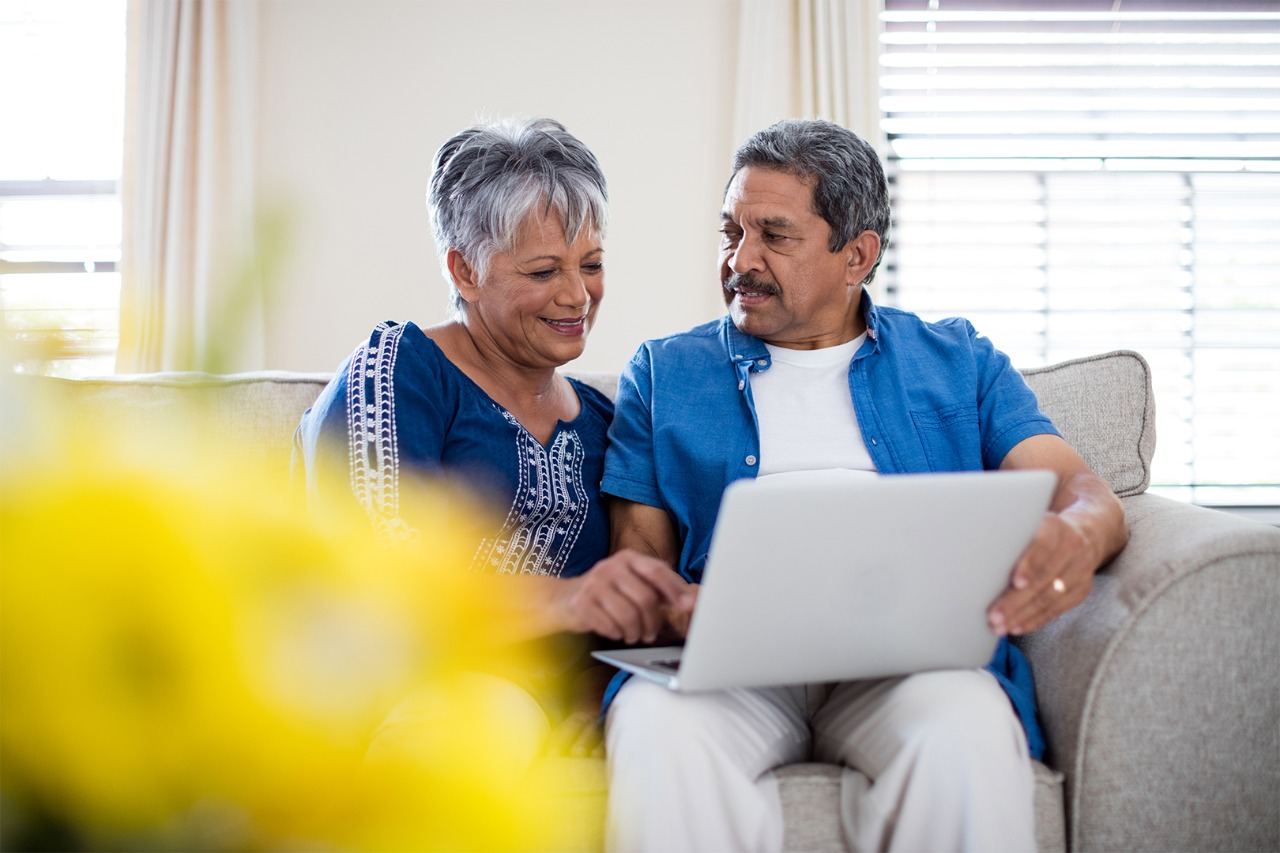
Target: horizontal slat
x=1100 y=149
x=1046 y=59
x=1104 y=80
x=46 y=188
x=1027 y=13
x=1100 y=36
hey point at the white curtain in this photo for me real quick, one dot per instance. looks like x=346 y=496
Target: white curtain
x=809 y=59
x=189 y=294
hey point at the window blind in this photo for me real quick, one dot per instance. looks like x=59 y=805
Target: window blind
x=1086 y=176
x=60 y=163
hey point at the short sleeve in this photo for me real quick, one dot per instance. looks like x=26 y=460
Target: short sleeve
x=1007 y=407
x=629 y=469
x=382 y=410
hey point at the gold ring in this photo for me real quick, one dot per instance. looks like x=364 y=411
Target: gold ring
x=1059 y=586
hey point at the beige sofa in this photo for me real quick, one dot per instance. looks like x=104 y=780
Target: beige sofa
x=1160 y=695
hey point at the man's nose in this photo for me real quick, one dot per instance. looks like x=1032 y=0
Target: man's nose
x=746 y=255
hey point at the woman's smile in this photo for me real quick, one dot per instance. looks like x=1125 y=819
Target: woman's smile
x=570 y=327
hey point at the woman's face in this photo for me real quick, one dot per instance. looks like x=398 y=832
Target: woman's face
x=538 y=301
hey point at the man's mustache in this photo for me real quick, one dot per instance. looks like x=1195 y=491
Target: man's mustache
x=747 y=281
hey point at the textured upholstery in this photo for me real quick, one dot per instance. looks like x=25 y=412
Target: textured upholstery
x=1160 y=694
x=258 y=411
x=1103 y=407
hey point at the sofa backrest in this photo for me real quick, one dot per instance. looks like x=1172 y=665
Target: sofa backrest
x=1102 y=404
x=255 y=412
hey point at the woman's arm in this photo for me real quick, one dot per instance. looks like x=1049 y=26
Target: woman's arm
x=625 y=597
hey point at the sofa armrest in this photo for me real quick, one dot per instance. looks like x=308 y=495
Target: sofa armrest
x=1160 y=694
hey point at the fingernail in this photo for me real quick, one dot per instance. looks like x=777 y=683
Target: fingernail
x=1020 y=581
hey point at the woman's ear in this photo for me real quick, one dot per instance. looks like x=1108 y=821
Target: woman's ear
x=463 y=274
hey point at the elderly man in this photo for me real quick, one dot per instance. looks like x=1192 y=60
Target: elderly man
x=805 y=373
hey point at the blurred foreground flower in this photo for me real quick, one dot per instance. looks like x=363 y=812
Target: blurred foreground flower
x=191 y=660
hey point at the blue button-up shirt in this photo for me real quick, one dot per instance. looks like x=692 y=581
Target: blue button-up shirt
x=929 y=397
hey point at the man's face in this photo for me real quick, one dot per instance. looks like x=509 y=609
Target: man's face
x=781 y=281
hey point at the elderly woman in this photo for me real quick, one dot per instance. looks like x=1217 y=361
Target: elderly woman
x=519 y=211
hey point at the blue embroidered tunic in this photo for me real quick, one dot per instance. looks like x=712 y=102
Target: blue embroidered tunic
x=398 y=405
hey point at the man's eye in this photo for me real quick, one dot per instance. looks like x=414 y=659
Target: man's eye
x=772 y=237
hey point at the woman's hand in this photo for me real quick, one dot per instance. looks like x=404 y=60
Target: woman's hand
x=678 y=618
x=628 y=596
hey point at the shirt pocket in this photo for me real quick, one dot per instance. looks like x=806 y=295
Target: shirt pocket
x=950 y=437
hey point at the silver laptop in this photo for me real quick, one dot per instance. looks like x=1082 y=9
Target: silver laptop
x=839 y=575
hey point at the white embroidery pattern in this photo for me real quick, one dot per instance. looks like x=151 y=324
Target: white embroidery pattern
x=549 y=509
x=550 y=506
x=371 y=429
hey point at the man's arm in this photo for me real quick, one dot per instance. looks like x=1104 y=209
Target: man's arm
x=643 y=528
x=1083 y=529
x=647 y=530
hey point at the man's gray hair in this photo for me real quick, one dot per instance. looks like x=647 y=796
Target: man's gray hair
x=849 y=187
x=487 y=179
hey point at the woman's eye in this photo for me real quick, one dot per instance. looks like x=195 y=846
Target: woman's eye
x=592 y=269
x=542 y=275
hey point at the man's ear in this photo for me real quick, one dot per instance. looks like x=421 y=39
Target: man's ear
x=463 y=274
x=863 y=251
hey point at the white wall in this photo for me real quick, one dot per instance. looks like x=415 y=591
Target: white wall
x=356 y=95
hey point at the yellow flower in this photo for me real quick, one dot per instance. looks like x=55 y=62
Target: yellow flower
x=189 y=659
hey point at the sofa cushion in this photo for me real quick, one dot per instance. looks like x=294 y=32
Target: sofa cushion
x=1105 y=408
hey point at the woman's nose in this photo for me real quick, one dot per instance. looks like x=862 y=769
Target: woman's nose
x=573 y=290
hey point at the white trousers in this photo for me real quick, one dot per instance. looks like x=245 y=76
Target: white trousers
x=937 y=762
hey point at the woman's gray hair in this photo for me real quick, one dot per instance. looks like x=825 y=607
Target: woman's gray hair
x=849 y=187
x=486 y=180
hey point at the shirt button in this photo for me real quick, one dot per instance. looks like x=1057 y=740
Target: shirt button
x=741 y=384
x=750 y=460
x=762 y=361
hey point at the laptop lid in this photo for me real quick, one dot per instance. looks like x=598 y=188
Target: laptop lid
x=839 y=575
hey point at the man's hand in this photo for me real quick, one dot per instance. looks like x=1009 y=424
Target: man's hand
x=1053 y=575
x=1082 y=530
x=627 y=596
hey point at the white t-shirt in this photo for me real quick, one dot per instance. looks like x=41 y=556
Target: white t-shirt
x=806 y=415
